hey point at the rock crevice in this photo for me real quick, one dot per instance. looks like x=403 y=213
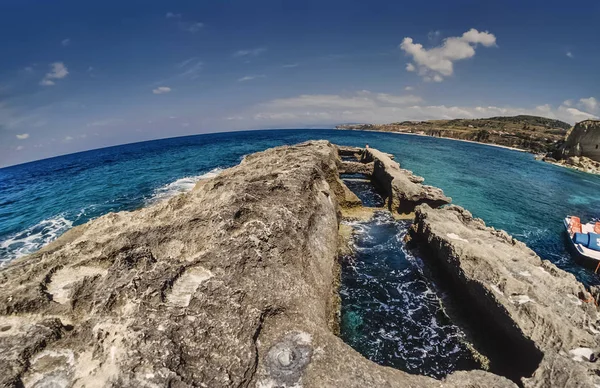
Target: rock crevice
x=402 y=190
x=528 y=303
x=228 y=285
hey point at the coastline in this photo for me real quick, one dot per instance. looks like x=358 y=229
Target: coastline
x=437 y=137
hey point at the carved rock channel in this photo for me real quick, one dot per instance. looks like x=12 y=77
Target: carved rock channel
x=230 y=285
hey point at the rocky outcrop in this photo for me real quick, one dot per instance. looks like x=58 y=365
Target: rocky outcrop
x=543 y=314
x=582 y=140
x=580 y=163
x=401 y=189
x=356 y=168
x=230 y=285
x=529 y=133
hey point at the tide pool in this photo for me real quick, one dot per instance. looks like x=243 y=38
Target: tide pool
x=507 y=189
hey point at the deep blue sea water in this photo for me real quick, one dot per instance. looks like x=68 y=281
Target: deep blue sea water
x=508 y=189
x=391 y=311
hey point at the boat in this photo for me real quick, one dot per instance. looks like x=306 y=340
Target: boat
x=585 y=240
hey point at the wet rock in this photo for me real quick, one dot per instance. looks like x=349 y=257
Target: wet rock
x=401 y=189
x=580 y=163
x=230 y=285
x=356 y=168
x=349 y=152
x=529 y=304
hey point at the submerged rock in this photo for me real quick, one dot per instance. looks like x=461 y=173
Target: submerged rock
x=530 y=305
x=229 y=285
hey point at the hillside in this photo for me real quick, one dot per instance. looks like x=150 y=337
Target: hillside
x=530 y=133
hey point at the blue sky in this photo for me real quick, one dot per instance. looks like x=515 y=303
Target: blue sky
x=76 y=75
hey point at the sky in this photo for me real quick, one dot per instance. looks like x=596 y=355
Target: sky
x=78 y=75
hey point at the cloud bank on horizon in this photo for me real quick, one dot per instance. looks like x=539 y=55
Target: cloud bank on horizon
x=83 y=76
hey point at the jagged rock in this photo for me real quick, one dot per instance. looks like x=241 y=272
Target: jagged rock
x=356 y=168
x=229 y=285
x=580 y=163
x=582 y=140
x=349 y=151
x=401 y=189
x=523 y=301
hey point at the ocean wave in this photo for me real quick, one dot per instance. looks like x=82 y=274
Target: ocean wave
x=181 y=185
x=33 y=238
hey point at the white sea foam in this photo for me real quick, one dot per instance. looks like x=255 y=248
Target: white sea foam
x=181 y=185
x=33 y=238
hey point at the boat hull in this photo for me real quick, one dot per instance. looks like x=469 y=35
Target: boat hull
x=583 y=255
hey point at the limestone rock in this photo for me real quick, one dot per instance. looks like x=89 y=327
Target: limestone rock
x=583 y=140
x=229 y=285
x=580 y=163
x=528 y=303
x=401 y=189
x=356 y=168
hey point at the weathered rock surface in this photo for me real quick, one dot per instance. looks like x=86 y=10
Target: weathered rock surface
x=347 y=167
x=230 y=285
x=580 y=163
x=531 y=133
x=401 y=189
x=582 y=140
x=529 y=304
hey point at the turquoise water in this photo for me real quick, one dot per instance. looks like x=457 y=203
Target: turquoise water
x=391 y=310
x=508 y=189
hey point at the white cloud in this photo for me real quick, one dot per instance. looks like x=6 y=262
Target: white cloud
x=189 y=26
x=105 y=122
x=19 y=148
x=409 y=88
x=360 y=100
x=250 y=77
x=186 y=62
x=590 y=104
x=190 y=68
x=434 y=36
x=65 y=42
x=192 y=26
x=23 y=136
x=435 y=78
x=398 y=100
x=379 y=108
x=438 y=62
x=252 y=52
x=58 y=70
x=569 y=54
x=571 y=115
x=161 y=90
x=68 y=138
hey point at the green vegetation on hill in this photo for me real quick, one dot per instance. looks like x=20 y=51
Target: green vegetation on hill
x=531 y=133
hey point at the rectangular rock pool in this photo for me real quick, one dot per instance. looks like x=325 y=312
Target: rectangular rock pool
x=391 y=312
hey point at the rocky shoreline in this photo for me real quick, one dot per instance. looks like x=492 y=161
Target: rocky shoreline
x=234 y=284
x=525 y=133
x=579 y=163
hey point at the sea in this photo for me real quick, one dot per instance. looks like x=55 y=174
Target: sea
x=384 y=284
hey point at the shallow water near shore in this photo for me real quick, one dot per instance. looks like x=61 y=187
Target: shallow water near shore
x=508 y=189
x=391 y=312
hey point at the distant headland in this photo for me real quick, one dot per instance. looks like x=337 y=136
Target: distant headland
x=552 y=140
